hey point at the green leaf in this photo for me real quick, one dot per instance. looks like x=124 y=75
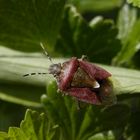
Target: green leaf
x=28 y=90
x=16 y=134
x=129 y=30
x=101 y=136
x=93 y=119
x=24 y=24
x=96 y=5
x=104 y=119
x=115 y=116
x=134 y=2
x=62 y=115
x=34 y=126
x=131 y=45
x=126 y=20
x=16 y=88
x=3 y=136
x=27 y=95
x=57 y=110
x=126 y=81
x=136 y=59
x=9 y=113
x=95 y=39
x=133 y=128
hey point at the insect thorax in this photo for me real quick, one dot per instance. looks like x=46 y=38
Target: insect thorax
x=55 y=69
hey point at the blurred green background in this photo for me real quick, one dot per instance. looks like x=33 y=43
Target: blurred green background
x=107 y=31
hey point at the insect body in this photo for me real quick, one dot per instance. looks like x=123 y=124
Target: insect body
x=83 y=80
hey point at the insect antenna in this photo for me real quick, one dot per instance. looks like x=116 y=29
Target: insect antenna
x=40 y=73
x=35 y=73
x=45 y=52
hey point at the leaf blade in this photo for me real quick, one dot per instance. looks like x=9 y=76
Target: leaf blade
x=29 y=23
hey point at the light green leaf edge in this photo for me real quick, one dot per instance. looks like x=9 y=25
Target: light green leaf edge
x=129 y=30
x=96 y=5
x=134 y=2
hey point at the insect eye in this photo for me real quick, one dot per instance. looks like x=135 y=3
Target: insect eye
x=55 y=69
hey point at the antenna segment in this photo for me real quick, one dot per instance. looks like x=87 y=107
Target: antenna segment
x=34 y=73
x=45 y=52
x=40 y=73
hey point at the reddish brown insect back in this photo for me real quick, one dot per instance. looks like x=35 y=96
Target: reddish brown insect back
x=83 y=80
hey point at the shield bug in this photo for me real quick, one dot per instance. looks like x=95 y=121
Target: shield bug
x=83 y=80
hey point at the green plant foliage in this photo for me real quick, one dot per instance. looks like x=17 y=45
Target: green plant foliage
x=103 y=136
x=134 y=2
x=29 y=95
x=126 y=19
x=64 y=117
x=129 y=30
x=134 y=123
x=26 y=23
x=8 y=117
x=81 y=124
x=34 y=127
x=65 y=33
x=3 y=136
x=28 y=90
x=136 y=59
x=96 y=5
x=16 y=88
x=93 y=39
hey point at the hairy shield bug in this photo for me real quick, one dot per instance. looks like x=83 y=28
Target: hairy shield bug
x=83 y=80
